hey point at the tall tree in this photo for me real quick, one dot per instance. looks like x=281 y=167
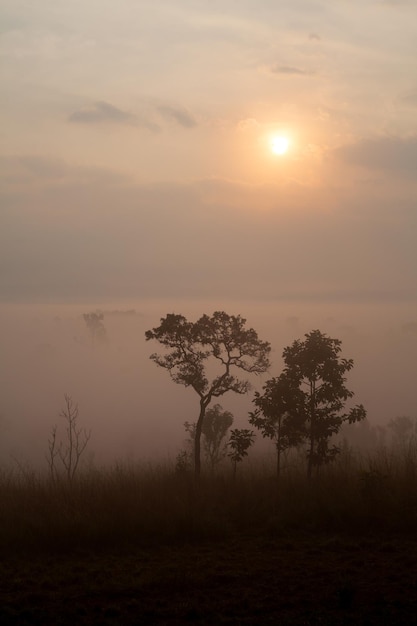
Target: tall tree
x=279 y=414
x=315 y=367
x=205 y=354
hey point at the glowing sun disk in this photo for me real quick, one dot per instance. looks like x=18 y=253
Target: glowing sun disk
x=279 y=145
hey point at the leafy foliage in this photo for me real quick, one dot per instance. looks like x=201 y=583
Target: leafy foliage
x=182 y=462
x=239 y=443
x=279 y=414
x=403 y=429
x=216 y=424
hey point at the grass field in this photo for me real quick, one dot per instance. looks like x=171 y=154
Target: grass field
x=146 y=545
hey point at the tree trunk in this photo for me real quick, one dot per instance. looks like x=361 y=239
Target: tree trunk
x=278 y=460
x=312 y=428
x=278 y=444
x=197 y=440
x=312 y=446
x=310 y=464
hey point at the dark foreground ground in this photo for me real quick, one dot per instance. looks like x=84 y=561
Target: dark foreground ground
x=293 y=580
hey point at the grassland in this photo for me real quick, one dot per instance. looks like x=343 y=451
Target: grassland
x=146 y=545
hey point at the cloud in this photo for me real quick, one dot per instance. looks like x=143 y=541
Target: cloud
x=104 y=112
x=395 y=155
x=29 y=171
x=289 y=70
x=101 y=112
x=180 y=116
x=42 y=167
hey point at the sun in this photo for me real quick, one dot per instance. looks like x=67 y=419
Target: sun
x=280 y=144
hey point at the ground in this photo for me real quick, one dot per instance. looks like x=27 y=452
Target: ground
x=306 y=580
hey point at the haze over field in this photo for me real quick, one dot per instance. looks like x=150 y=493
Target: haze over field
x=133 y=408
x=139 y=169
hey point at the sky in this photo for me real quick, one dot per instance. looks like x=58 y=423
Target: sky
x=136 y=162
x=136 y=159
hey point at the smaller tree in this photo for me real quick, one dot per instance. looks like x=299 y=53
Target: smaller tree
x=75 y=444
x=185 y=457
x=183 y=462
x=279 y=415
x=216 y=424
x=403 y=428
x=239 y=443
x=95 y=326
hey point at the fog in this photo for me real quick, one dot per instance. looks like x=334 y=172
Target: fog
x=135 y=412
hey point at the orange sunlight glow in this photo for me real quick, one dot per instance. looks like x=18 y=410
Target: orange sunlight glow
x=280 y=144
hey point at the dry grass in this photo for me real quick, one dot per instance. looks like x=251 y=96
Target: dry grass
x=141 y=505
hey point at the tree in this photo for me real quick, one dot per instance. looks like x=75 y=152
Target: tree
x=279 y=414
x=239 y=443
x=315 y=367
x=183 y=462
x=95 y=326
x=204 y=354
x=216 y=423
x=76 y=442
x=403 y=428
x=190 y=441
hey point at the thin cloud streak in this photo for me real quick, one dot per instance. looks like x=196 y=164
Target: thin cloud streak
x=101 y=112
x=290 y=71
x=105 y=113
x=180 y=116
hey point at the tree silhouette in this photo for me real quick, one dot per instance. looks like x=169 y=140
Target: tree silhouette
x=204 y=354
x=403 y=428
x=279 y=414
x=216 y=423
x=75 y=444
x=95 y=326
x=316 y=369
x=239 y=443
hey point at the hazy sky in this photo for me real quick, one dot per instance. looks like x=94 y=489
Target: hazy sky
x=136 y=170
x=136 y=158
